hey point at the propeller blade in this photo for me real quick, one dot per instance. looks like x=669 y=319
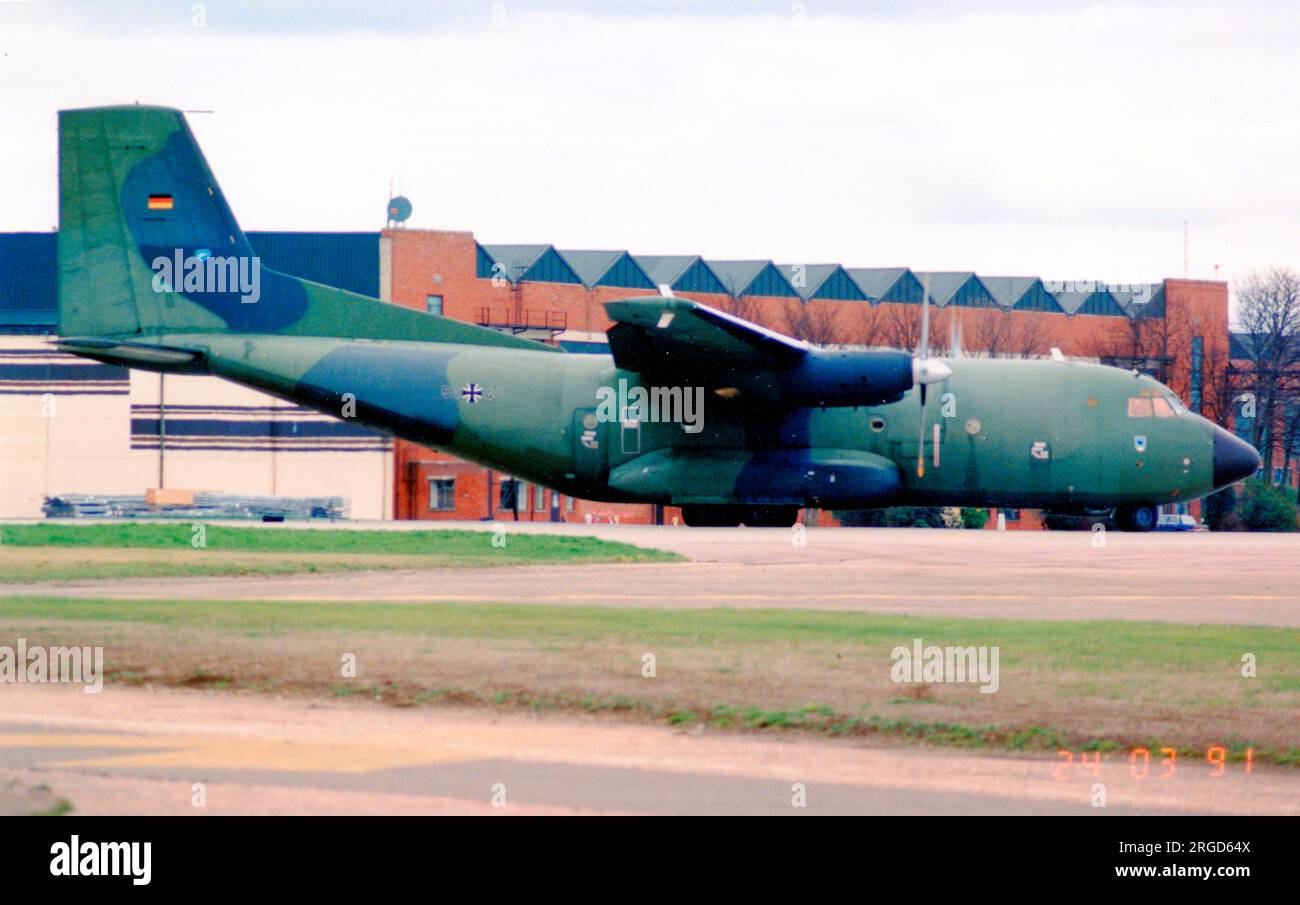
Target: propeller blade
x=920 y=446
x=925 y=319
x=924 y=371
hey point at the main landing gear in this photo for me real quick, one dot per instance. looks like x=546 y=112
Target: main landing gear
x=731 y=516
x=1140 y=517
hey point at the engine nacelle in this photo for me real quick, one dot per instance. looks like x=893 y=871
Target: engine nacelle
x=834 y=377
x=823 y=377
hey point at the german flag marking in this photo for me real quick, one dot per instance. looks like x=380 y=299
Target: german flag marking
x=160 y=202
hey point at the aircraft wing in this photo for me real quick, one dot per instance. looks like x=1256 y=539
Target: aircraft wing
x=676 y=341
x=657 y=330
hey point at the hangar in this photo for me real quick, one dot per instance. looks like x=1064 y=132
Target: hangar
x=76 y=427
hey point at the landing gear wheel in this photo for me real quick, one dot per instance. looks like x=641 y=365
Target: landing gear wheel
x=1142 y=517
x=712 y=516
x=772 y=516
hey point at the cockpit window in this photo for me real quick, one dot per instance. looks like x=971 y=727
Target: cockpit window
x=1153 y=406
x=1140 y=407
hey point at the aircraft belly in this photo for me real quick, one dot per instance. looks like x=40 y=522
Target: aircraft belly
x=822 y=477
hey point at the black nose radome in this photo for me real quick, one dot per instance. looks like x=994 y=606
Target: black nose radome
x=1234 y=459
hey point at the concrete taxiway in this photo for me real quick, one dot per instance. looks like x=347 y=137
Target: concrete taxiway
x=1190 y=578
x=185 y=752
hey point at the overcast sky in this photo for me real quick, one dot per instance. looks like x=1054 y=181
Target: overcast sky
x=1065 y=139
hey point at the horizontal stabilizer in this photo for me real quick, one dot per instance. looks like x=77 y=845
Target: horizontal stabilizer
x=147 y=356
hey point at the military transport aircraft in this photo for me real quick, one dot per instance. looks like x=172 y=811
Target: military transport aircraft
x=154 y=273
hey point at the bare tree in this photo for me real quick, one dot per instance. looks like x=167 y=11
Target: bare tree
x=1268 y=309
x=989 y=333
x=1032 y=337
x=868 y=326
x=1222 y=387
x=901 y=326
x=1145 y=343
x=743 y=307
x=815 y=323
x=1291 y=424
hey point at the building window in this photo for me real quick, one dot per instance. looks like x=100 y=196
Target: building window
x=442 y=494
x=568 y=504
x=540 y=499
x=509 y=495
x=1198 y=372
x=521 y=497
x=433 y=304
x=1013 y=515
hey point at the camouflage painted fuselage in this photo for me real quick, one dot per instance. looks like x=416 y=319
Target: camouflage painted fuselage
x=1042 y=434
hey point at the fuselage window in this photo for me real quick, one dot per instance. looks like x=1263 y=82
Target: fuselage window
x=1177 y=404
x=1163 y=408
x=1140 y=407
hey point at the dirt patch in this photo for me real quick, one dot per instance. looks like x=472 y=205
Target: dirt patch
x=35 y=564
x=21 y=798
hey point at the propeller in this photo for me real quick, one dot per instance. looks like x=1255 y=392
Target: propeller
x=925 y=371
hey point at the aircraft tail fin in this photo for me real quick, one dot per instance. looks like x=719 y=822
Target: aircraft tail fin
x=148 y=246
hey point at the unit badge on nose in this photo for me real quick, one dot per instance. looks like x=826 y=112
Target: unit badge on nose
x=1041 y=450
x=1140 y=443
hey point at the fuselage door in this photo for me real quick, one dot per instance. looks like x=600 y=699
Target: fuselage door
x=1077 y=420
